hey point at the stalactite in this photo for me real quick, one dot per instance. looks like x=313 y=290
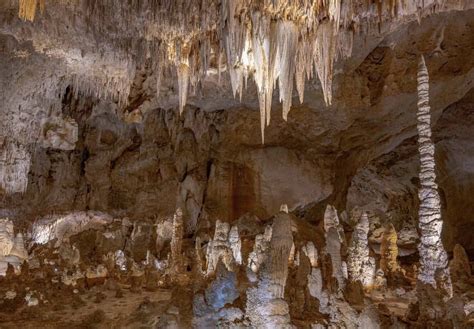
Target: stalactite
x=324 y=55
x=286 y=66
x=287 y=41
x=433 y=257
x=183 y=81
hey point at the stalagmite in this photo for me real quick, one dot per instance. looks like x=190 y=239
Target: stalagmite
x=14 y=166
x=312 y=253
x=219 y=248
x=433 y=257
x=459 y=266
x=331 y=219
x=257 y=255
x=333 y=249
x=334 y=235
x=18 y=248
x=266 y=307
x=235 y=244
x=12 y=249
x=281 y=242
x=177 y=241
x=6 y=236
x=389 y=251
x=315 y=278
x=316 y=289
x=120 y=260
x=361 y=267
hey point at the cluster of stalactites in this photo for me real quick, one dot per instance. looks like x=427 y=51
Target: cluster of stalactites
x=282 y=51
x=277 y=42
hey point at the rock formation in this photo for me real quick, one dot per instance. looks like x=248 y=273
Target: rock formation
x=334 y=238
x=459 y=266
x=62 y=227
x=235 y=244
x=14 y=166
x=59 y=133
x=266 y=307
x=433 y=257
x=219 y=248
x=257 y=255
x=6 y=236
x=361 y=267
x=12 y=248
x=177 y=241
x=389 y=251
x=236 y=164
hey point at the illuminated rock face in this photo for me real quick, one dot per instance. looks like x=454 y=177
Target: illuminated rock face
x=433 y=257
x=62 y=227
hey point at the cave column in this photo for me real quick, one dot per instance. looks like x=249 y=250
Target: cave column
x=433 y=258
